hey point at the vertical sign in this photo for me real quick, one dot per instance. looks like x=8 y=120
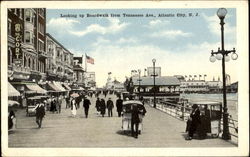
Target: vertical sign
x=18 y=40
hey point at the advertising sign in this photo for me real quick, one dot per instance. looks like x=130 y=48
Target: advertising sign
x=150 y=71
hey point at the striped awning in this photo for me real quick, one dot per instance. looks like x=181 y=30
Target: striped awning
x=59 y=86
x=52 y=87
x=12 y=91
x=36 y=88
x=66 y=86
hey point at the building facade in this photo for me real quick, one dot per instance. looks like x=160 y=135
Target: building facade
x=26 y=44
x=60 y=61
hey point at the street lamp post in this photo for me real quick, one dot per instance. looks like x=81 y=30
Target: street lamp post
x=154 y=60
x=223 y=55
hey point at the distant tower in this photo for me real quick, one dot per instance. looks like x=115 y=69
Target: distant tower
x=218 y=78
x=213 y=79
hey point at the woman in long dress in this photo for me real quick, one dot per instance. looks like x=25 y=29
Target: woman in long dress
x=73 y=107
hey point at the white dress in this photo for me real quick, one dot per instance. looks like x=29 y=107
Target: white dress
x=73 y=111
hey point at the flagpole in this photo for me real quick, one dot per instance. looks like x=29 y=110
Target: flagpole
x=85 y=63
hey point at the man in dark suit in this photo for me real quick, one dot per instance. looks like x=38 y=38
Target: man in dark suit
x=119 y=106
x=194 y=121
x=40 y=113
x=86 y=104
x=110 y=106
x=135 y=120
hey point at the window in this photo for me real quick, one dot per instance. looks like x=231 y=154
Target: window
x=10 y=57
x=27 y=36
x=21 y=13
x=41 y=28
x=9 y=27
x=29 y=16
x=41 y=12
x=40 y=45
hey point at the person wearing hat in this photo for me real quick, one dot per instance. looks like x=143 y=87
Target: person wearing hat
x=40 y=113
x=86 y=104
x=110 y=106
x=194 y=121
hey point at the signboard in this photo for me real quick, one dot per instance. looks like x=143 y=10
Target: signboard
x=18 y=41
x=150 y=71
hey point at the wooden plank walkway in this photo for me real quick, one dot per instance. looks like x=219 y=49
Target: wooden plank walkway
x=61 y=130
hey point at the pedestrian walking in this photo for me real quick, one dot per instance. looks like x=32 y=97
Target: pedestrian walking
x=78 y=100
x=40 y=113
x=53 y=105
x=135 y=120
x=194 y=121
x=73 y=107
x=86 y=104
x=119 y=106
x=67 y=99
x=98 y=105
x=110 y=107
x=103 y=107
x=60 y=103
x=11 y=120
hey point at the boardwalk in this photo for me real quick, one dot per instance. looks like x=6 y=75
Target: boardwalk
x=61 y=130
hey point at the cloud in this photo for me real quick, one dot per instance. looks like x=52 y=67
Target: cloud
x=127 y=40
x=171 y=34
x=121 y=59
x=114 y=27
x=214 y=27
x=61 y=25
x=157 y=23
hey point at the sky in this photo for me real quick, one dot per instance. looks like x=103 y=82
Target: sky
x=180 y=45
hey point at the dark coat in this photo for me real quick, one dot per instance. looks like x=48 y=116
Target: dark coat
x=119 y=105
x=110 y=105
x=86 y=103
x=135 y=114
x=98 y=104
x=40 y=111
x=195 y=119
x=102 y=107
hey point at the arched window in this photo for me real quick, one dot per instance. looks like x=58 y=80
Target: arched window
x=30 y=63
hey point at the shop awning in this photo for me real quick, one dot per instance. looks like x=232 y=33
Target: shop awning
x=53 y=87
x=59 y=86
x=66 y=86
x=36 y=88
x=12 y=91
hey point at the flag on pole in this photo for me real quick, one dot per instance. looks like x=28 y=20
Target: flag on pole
x=89 y=60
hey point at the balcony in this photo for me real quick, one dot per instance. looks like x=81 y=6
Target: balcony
x=42 y=54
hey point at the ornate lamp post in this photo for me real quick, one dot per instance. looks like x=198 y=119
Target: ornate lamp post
x=223 y=55
x=154 y=60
